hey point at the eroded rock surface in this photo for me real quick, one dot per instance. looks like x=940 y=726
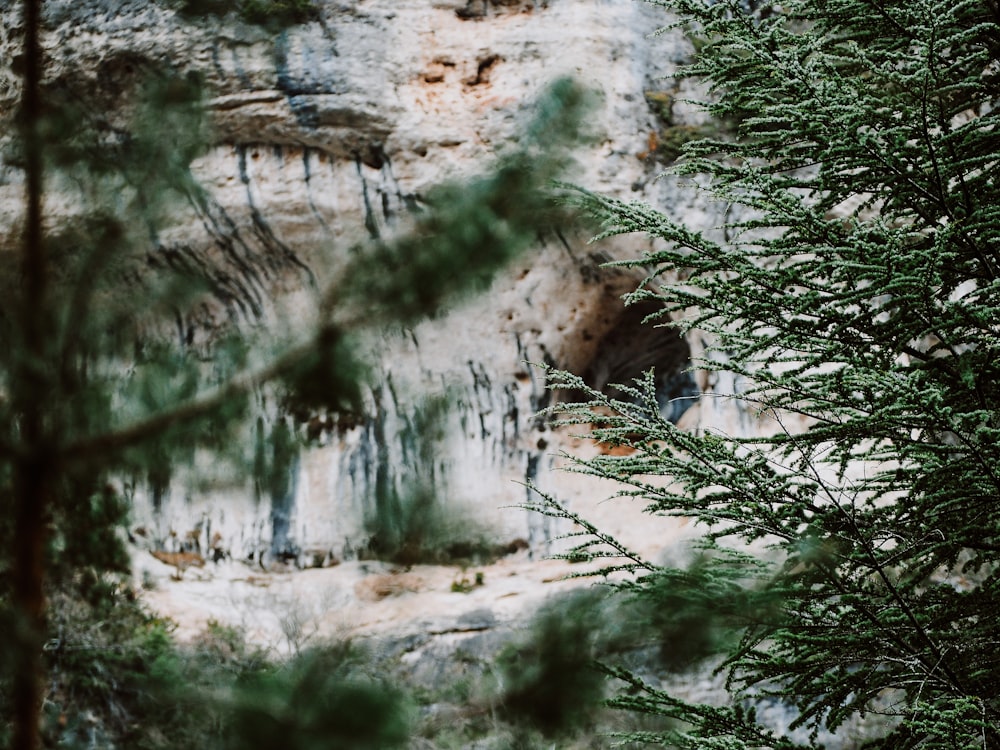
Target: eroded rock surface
x=330 y=132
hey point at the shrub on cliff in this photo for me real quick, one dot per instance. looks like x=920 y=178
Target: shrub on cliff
x=856 y=299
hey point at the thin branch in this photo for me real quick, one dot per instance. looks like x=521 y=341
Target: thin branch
x=188 y=411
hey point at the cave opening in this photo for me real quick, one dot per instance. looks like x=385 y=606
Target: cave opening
x=629 y=347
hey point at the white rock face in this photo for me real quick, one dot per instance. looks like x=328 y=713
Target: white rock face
x=326 y=133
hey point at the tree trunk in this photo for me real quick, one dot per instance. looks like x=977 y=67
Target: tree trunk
x=28 y=391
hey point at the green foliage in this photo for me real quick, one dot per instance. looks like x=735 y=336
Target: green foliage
x=549 y=679
x=474 y=227
x=67 y=349
x=662 y=104
x=320 y=700
x=666 y=144
x=671 y=139
x=329 y=377
x=693 y=612
x=463 y=585
x=856 y=296
x=115 y=676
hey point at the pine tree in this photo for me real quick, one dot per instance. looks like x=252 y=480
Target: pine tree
x=853 y=563
x=92 y=392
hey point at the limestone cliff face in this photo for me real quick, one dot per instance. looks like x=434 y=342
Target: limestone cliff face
x=329 y=132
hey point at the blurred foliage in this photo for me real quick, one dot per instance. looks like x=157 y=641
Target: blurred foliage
x=322 y=699
x=674 y=621
x=696 y=613
x=102 y=369
x=550 y=680
x=124 y=396
x=116 y=678
x=471 y=228
x=329 y=377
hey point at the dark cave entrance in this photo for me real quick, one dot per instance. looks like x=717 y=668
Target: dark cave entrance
x=630 y=347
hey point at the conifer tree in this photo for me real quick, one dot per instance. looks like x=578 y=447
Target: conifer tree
x=854 y=563
x=92 y=392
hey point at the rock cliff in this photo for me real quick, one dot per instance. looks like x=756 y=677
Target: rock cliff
x=330 y=131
